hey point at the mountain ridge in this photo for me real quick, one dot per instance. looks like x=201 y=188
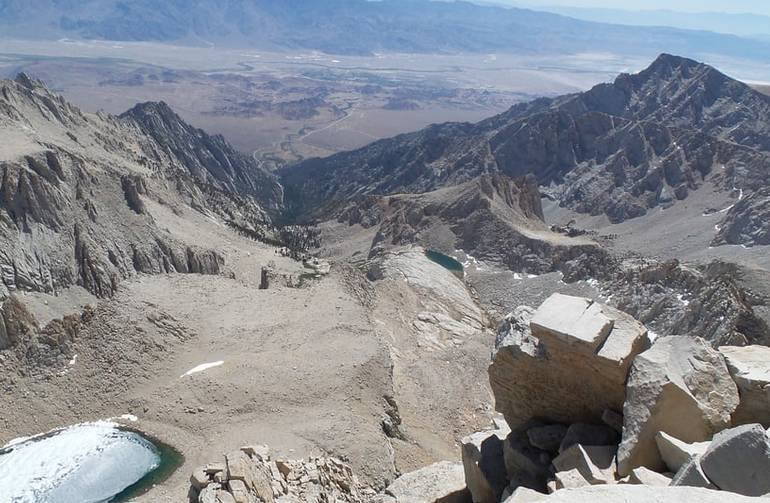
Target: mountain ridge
x=619 y=149
x=355 y=27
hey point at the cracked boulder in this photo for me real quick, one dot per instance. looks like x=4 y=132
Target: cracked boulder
x=680 y=386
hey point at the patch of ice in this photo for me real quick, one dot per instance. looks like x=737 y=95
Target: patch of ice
x=516 y=275
x=202 y=367
x=86 y=463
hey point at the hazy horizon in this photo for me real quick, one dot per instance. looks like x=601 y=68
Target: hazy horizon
x=737 y=6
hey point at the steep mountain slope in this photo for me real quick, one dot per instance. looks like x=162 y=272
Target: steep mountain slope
x=74 y=189
x=620 y=149
x=354 y=26
x=492 y=218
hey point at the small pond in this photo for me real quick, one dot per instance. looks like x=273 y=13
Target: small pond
x=446 y=261
x=87 y=463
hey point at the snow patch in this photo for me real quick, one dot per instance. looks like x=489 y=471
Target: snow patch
x=652 y=335
x=202 y=367
x=85 y=463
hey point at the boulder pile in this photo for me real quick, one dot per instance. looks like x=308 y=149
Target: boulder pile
x=592 y=410
x=251 y=475
x=590 y=400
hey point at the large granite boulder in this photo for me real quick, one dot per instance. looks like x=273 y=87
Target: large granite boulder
x=750 y=369
x=566 y=362
x=484 y=464
x=680 y=386
x=441 y=482
x=738 y=460
x=626 y=493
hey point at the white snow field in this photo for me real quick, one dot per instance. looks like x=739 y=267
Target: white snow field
x=86 y=463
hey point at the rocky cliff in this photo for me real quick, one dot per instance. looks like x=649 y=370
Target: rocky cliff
x=76 y=191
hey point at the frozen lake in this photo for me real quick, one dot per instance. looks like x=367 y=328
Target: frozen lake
x=86 y=463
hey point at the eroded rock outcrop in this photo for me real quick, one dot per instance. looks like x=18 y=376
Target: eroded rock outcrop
x=680 y=386
x=76 y=192
x=252 y=475
x=568 y=365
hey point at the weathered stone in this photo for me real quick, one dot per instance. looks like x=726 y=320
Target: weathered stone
x=675 y=453
x=570 y=479
x=525 y=495
x=648 y=477
x=239 y=491
x=644 y=494
x=691 y=475
x=595 y=463
x=575 y=321
x=680 y=386
x=738 y=460
x=442 y=482
x=214 y=493
x=589 y=434
x=547 y=437
x=199 y=478
x=209 y=494
x=749 y=367
x=525 y=464
x=239 y=468
x=484 y=465
x=570 y=368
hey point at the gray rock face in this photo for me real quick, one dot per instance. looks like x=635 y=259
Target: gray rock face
x=208 y=158
x=750 y=369
x=563 y=373
x=680 y=386
x=738 y=460
x=78 y=196
x=747 y=222
x=674 y=298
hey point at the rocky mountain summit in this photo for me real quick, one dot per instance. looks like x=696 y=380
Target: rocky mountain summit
x=621 y=149
x=593 y=407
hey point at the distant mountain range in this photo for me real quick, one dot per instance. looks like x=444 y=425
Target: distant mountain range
x=354 y=27
x=620 y=149
x=744 y=25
